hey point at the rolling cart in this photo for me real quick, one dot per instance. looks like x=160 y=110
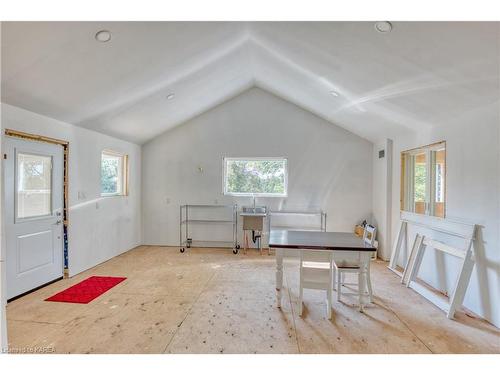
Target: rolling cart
x=196 y=215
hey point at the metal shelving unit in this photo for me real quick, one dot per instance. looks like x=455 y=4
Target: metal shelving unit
x=229 y=212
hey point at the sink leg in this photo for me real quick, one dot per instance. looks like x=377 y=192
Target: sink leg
x=260 y=243
x=246 y=241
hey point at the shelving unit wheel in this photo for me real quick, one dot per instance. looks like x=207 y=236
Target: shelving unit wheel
x=235 y=251
x=182 y=249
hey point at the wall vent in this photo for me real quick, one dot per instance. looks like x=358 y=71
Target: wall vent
x=381 y=154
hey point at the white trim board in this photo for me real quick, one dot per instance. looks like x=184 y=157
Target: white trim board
x=454 y=227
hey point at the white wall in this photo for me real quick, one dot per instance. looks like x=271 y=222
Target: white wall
x=329 y=167
x=473 y=194
x=99 y=228
x=382 y=196
x=3 y=273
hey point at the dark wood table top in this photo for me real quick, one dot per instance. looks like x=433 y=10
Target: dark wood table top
x=288 y=239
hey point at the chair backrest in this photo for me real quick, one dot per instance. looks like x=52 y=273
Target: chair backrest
x=316 y=256
x=369 y=234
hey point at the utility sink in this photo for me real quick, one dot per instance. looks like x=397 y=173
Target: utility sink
x=253 y=218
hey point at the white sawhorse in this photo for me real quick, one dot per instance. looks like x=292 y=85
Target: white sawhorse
x=465 y=231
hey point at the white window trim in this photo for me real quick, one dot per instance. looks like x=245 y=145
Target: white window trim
x=123 y=180
x=264 y=195
x=430 y=185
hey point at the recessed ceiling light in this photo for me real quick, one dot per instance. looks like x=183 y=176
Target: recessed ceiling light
x=170 y=96
x=103 y=36
x=334 y=93
x=383 y=26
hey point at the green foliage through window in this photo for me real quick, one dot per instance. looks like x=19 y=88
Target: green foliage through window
x=111 y=173
x=420 y=181
x=35 y=172
x=259 y=177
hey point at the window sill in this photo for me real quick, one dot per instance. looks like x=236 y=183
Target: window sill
x=405 y=212
x=112 y=195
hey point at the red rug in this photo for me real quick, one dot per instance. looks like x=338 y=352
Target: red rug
x=87 y=290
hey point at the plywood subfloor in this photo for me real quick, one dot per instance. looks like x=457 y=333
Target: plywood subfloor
x=211 y=301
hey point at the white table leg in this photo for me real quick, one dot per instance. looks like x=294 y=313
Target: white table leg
x=364 y=259
x=279 y=276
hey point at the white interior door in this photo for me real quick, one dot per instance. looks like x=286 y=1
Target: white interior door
x=33 y=188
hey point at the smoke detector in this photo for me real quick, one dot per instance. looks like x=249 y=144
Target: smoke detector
x=383 y=26
x=103 y=36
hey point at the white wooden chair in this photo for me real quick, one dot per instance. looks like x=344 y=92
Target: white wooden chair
x=316 y=272
x=369 y=235
x=354 y=267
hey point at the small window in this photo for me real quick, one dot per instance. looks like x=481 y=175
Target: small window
x=423 y=180
x=265 y=177
x=33 y=185
x=113 y=173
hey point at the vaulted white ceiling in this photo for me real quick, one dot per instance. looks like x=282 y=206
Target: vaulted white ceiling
x=413 y=78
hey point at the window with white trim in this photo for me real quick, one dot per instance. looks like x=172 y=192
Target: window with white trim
x=423 y=180
x=114 y=170
x=264 y=177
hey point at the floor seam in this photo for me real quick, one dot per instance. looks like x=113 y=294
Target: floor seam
x=406 y=325
x=188 y=311
x=34 y=321
x=291 y=309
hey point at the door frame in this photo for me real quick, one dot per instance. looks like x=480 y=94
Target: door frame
x=65 y=145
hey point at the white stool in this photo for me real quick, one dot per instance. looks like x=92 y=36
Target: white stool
x=362 y=272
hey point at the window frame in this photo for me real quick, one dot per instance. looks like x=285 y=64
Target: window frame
x=17 y=218
x=263 y=195
x=407 y=191
x=123 y=173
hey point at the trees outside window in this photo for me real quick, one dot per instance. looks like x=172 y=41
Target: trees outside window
x=255 y=176
x=423 y=180
x=113 y=173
